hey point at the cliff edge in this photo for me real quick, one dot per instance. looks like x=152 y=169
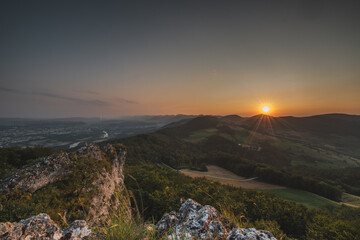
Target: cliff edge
x=87 y=184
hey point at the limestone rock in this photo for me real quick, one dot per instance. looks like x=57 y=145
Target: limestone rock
x=33 y=177
x=194 y=221
x=249 y=234
x=108 y=183
x=77 y=230
x=42 y=227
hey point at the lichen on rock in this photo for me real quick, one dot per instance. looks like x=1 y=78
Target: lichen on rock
x=31 y=178
x=42 y=227
x=194 y=221
x=85 y=184
x=249 y=234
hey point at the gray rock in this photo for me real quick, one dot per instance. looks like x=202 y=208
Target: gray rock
x=55 y=167
x=41 y=227
x=109 y=183
x=249 y=234
x=77 y=230
x=194 y=221
x=31 y=178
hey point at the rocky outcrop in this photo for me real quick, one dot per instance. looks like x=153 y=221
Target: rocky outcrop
x=109 y=184
x=47 y=170
x=42 y=227
x=204 y=222
x=108 y=181
x=54 y=167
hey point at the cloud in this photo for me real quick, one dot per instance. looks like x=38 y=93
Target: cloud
x=11 y=90
x=121 y=100
x=78 y=100
x=95 y=102
x=213 y=72
x=87 y=92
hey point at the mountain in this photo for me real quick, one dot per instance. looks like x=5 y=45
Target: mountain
x=43 y=190
x=325 y=125
x=89 y=185
x=233 y=118
x=286 y=151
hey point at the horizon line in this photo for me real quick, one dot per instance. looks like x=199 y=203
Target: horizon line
x=180 y=114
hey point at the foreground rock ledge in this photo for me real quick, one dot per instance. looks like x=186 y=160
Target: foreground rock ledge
x=55 y=167
x=204 y=222
x=42 y=227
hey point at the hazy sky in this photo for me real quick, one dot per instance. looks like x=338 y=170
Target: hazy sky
x=115 y=58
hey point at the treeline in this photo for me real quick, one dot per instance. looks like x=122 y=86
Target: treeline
x=157 y=148
x=244 y=167
x=225 y=153
x=158 y=190
x=16 y=157
x=347 y=178
x=220 y=151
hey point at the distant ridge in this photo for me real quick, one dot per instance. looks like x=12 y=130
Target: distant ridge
x=232 y=117
x=325 y=124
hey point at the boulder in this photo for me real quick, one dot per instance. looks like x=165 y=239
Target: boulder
x=194 y=221
x=77 y=230
x=249 y=234
x=42 y=227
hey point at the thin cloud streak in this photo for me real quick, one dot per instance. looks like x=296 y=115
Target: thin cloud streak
x=95 y=102
x=4 y=89
x=79 y=100
x=87 y=92
x=118 y=99
x=123 y=100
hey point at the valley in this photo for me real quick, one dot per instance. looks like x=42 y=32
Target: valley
x=274 y=178
x=67 y=133
x=310 y=200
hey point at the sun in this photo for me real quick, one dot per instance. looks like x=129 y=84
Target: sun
x=265 y=109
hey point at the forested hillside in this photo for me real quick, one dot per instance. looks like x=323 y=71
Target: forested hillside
x=159 y=189
x=223 y=142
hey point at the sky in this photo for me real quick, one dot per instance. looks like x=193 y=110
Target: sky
x=122 y=58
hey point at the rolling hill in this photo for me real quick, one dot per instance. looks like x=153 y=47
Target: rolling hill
x=294 y=152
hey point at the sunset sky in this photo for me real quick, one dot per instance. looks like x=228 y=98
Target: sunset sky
x=116 y=58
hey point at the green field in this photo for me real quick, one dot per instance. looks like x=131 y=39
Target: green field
x=308 y=199
x=200 y=135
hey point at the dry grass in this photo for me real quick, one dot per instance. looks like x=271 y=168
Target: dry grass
x=224 y=176
x=351 y=200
